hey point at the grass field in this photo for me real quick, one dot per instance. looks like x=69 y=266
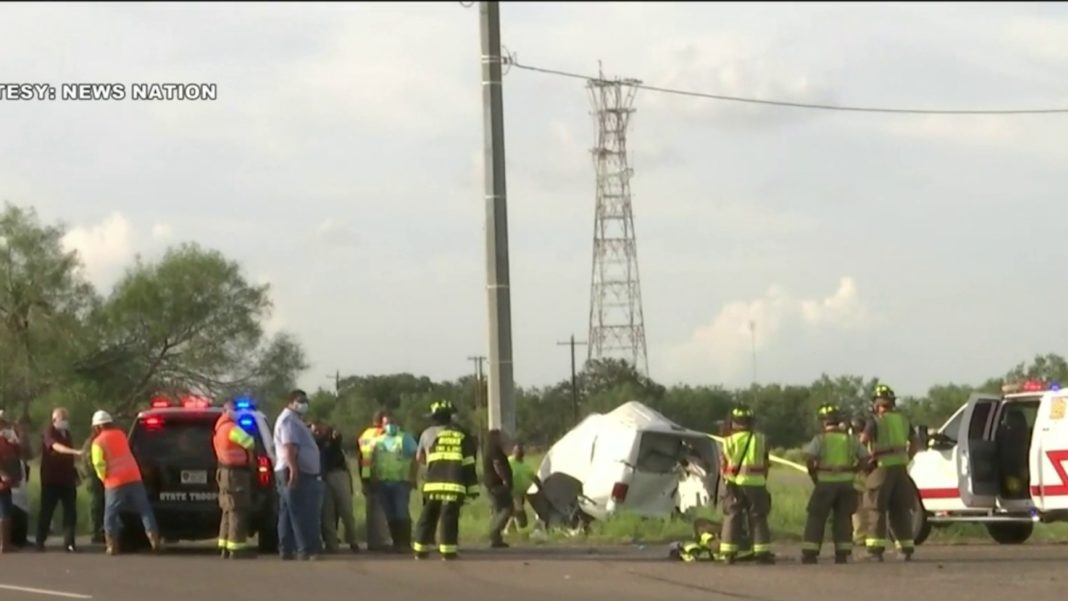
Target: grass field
x=789 y=489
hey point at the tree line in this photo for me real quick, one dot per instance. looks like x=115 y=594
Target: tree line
x=786 y=413
x=191 y=320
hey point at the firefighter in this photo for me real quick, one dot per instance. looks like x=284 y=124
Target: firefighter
x=888 y=488
x=702 y=547
x=745 y=469
x=233 y=452
x=860 y=515
x=448 y=452
x=833 y=459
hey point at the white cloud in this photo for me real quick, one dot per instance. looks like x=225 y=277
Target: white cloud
x=1042 y=38
x=722 y=349
x=104 y=248
x=336 y=232
x=162 y=231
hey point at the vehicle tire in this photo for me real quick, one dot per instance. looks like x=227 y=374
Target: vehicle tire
x=1010 y=534
x=921 y=528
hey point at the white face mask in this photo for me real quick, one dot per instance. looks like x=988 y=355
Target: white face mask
x=301 y=408
x=9 y=434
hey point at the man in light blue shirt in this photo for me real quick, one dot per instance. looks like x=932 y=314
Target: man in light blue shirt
x=300 y=486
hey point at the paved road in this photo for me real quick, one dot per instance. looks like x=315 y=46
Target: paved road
x=972 y=573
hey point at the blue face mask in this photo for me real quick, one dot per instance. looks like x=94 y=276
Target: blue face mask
x=391 y=429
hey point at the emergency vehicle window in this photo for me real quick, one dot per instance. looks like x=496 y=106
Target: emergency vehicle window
x=175 y=441
x=1020 y=415
x=979 y=419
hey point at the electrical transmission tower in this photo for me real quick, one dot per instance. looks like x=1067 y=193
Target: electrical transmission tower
x=617 y=327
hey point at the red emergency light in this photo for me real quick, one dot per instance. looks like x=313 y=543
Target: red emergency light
x=263 y=470
x=160 y=402
x=1033 y=386
x=152 y=422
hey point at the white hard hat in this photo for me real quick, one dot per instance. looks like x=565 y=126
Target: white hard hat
x=101 y=417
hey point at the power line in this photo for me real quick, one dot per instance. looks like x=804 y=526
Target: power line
x=510 y=60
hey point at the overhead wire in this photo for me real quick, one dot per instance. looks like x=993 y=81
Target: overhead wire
x=511 y=61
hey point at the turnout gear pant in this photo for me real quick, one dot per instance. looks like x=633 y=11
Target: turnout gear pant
x=337 y=504
x=839 y=501
x=889 y=490
x=235 y=500
x=741 y=503
x=447 y=509
x=96 y=506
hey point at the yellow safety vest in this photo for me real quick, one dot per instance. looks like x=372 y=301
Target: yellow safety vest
x=750 y=470
x=891 y=446
x=836 y=460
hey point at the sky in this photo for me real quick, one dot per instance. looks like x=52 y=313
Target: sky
x=342 y=164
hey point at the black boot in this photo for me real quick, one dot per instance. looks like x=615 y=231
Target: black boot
x=809 y=557
x=841 y=557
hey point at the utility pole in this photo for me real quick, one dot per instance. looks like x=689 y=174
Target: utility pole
x=477 y=360
x=574 y=377
x=501 y=394
x=752 y=340
x=336 y=377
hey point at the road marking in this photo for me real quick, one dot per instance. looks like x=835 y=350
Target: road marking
x=41 y=591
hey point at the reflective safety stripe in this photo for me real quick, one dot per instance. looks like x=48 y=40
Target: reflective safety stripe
x=445 y=487
x=420 y=548
x=877 y=543
x=236 y=546
x=222 y=543
x=472 y=490
x=761 y=548
x=707 y=538
x=843 y=546
x=446 y=456
x=446 y=549
x=728 y=547
x=904 y=544
x=810 y=546
x=469 y=461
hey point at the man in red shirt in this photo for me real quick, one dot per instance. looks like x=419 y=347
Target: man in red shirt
x=59 y=479
x=10 y=478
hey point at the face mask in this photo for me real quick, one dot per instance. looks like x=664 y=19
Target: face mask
x=63 y=425
x=9 y=435
x=391 y=429
x=301 y=408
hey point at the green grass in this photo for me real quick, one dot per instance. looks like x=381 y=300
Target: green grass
x=789 y=489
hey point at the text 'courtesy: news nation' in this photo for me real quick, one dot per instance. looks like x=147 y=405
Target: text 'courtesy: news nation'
x=109 y=91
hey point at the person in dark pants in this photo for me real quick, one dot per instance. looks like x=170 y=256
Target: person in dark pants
x=497 y=478
x=96 y=495
x=59 y=480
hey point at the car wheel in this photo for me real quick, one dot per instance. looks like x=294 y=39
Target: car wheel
x=1010 y=533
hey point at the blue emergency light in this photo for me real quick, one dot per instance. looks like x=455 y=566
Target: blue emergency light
x=1054 y=385
x=246 y=423
x=244 y=404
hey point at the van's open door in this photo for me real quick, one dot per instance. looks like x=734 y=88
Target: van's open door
x=977 y=476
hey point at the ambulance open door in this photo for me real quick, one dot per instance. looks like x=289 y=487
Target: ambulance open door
x=977 y=475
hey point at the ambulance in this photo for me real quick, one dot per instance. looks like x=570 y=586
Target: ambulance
x=1000 y=461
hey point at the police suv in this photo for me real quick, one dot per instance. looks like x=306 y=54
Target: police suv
x=1000 y=461
x=172 y=442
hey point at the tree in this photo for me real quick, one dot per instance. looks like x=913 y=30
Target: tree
x=189 y=322
x=1048 y=368
x=43 y=304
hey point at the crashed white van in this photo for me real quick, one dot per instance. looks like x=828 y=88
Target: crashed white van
x=631 y=459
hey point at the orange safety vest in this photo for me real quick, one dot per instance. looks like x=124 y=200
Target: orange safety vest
x=121 y=466
x=227 y=452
